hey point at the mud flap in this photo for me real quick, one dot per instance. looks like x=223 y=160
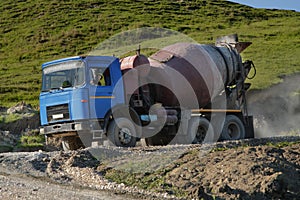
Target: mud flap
x=249 y=127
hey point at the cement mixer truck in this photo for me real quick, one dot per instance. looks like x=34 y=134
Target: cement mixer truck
x=184 y=93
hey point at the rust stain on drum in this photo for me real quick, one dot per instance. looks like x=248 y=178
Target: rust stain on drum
x=135 y=61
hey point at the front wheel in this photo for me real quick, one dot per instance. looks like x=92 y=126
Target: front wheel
x=122 y=133
x=233 y=129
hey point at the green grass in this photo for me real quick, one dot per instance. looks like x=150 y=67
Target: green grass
x=282 y=144
x=151 y=181
x=216 y=149
x=9 y=118
x=31 y=141
x=33 y=32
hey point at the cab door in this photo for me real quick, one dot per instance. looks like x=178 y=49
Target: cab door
x=103 y=95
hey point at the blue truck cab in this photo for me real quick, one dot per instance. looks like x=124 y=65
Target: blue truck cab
x=77 y=94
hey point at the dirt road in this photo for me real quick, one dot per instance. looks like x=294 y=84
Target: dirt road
x=20 y=186
x=61 y=175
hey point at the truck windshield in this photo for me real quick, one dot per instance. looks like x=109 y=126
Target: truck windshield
x=63 y=75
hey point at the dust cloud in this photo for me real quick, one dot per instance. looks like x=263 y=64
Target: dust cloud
x=276 y=110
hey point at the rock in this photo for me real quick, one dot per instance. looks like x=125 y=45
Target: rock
x=21 y=107
x=25 y=123
x=7 y=139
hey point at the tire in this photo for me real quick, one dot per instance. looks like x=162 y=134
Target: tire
x=122 y=133
x=157 y=140
x=200 y=130
x=233 y=129
x=70 y=143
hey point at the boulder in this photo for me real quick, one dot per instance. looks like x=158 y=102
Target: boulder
x=21 y=107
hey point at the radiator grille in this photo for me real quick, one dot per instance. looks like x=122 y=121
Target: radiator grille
x=58 y=112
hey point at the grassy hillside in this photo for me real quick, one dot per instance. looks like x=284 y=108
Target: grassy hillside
x=33 y=32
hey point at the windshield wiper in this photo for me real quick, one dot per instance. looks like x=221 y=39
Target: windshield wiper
x=48 y=90
x=64 y=85
x=54 y=88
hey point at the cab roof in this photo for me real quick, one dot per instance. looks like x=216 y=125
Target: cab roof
x=75 y=58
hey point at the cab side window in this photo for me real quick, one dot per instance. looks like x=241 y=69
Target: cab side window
x=100 y=76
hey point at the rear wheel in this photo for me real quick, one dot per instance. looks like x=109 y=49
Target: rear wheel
x=200 y=130
x=233 y=129
x=122 y=133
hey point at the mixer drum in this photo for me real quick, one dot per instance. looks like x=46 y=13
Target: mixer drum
x=206 y=68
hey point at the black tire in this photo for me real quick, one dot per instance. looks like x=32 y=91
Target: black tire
x=70 y=143
x=200 y=130
x=157 y=140
x=233 y=129
x=122 y=133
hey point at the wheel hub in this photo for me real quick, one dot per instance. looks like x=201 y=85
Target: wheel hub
x=125 y=136
x=201 y=133
x=233 y=130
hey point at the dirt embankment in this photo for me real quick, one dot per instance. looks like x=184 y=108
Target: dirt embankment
x=232 y=170
x=262 y=172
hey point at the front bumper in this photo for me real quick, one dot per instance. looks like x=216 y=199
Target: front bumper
x=70 y=127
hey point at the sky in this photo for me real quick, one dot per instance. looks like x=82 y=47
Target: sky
x=277 y=4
